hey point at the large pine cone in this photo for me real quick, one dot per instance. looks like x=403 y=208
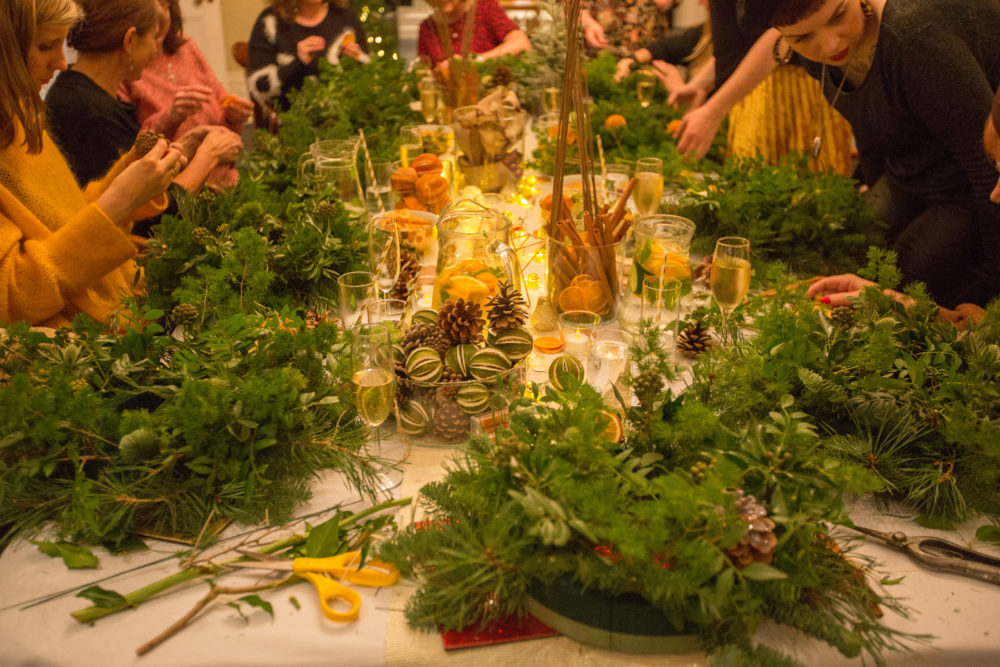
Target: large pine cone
x=462 y=321
x=693 y=340
x=758 y=545
x=450 y=423
x=409 y=267
x=146 y=140
x=501 y=77
x=184 y=313
x=424 y=335
x=507 y=310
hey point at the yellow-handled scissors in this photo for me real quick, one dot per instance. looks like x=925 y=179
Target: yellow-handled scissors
x=325 y=574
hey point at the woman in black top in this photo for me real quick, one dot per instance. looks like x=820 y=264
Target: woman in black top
x=91 y=125
x=914 y=78
x=291 y=36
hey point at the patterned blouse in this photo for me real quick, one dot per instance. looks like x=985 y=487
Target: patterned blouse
x=630 y=24
x=492 y=26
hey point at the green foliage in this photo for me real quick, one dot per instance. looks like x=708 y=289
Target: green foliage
x=74 y=556
x=816 y=222
x=551 y=499
x=109 y=435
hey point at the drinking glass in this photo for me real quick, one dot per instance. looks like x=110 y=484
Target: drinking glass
x=380 y=188
x=649 y=187
x=645 y=87
x=608 y=358
x=550 y=100
x=429 y=98
x=357 y=288
x=411 y=143
x=616 y=177
x=383 y=253
x=729 y=277
x=395 y=313
x=373 y=379
x=577 y=327
x=661 y=304
x=343 y=174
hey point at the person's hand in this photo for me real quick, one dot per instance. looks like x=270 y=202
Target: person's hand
x=697 y=130
x=237 y=109
x=187 y=101
x=841 y=290
x=593 y=36
x=222 y=145
x=189 y=142
x=668 y=75
x=688 y=96
x=352 y=49
x=141 y=181
x=309 y=48
x=623 y=68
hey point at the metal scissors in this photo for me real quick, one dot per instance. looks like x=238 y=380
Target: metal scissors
x=938 y=554
x=325 y=574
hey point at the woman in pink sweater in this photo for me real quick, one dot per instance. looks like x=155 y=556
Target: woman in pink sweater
x=179 y=91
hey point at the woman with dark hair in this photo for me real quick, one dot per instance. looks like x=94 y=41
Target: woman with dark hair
x=63 y=250
x=914 y=78
x=179 y=91
x=90 y=123
x=291 y=36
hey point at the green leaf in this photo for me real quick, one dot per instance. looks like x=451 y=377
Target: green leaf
x=103 y=598
x=324 y=539
x=152 y=314
x=75 y=557
x=934 y=522
x=260 y=603
x=886 y=581
x=761 y=572
x=295 y=602
x=989 y=534
x=239 y=610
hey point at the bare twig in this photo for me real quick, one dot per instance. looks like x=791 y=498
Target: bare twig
x=201 y=533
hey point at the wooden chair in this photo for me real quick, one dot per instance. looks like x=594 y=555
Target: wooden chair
x=264 y=117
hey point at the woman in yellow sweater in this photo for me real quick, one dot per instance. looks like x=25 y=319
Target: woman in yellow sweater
x=63 y=250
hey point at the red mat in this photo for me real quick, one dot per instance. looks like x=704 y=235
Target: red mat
x=510 y=629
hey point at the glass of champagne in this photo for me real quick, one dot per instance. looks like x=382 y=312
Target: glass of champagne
x=550 y=100
x=730 y=275
x=429 y=98
x=645 y=87
x=383 y=253
x=411 y=143
x=373 y=379
x=649 y=186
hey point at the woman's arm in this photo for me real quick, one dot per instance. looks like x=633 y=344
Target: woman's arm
x=699 y=126
x=515 y=41
x=220 y=146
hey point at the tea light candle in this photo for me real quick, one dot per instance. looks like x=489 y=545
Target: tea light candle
x=576 y=327
x=577 y=343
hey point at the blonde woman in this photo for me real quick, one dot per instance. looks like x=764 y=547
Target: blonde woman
x=63 y=250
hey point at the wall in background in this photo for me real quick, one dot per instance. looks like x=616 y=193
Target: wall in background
x=238 y=17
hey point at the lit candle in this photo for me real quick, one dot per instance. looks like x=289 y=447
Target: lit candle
x=577 y=343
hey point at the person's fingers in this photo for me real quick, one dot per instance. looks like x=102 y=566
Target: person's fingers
x=839 y=299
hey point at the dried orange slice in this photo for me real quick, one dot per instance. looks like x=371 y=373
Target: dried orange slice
x=581 y=280
x=613 y=426
x=593 y=297
x=572 y=298
x=548 y=344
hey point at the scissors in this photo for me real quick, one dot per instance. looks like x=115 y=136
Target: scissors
x=938 y=554
x=325 y=574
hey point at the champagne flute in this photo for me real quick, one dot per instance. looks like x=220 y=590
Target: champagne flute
x=645 y=87
x=429 y=98
x=383 y=253
x=649 y=187
x=411 y=143
x=550 y=100
x=373 y=379
x=730 y=275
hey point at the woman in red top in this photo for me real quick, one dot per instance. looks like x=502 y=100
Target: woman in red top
x=179 y=91
x=494 y=35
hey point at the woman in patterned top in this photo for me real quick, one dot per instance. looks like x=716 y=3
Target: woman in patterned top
x=291 y=36
x=494 y=35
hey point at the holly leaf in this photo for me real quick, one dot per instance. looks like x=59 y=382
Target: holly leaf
x=934 y=522
x=75 y=557
x=761 y=572
x=989 y=534
x=260 y=603
x=103 y=598
x=324 y=539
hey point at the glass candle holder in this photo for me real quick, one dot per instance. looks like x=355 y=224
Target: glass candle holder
x=577 y=328
x=608 y=361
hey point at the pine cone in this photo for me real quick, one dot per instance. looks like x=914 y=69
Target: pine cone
x=449 y=386
x=184 y=313
x=424 y=335
x=757 y=546
x=693 y=340
x=507 y=310
x=450 y=423
x=462 y=321
x=647 y=386
x=409 y=267
x=501 y=77
x=842 y=315
x=146 y=141
x=201 y=235
x=404 y=387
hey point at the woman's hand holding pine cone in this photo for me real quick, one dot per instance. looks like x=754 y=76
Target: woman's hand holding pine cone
x=144 y=179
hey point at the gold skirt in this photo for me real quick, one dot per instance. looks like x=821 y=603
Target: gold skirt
x=783 y=115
